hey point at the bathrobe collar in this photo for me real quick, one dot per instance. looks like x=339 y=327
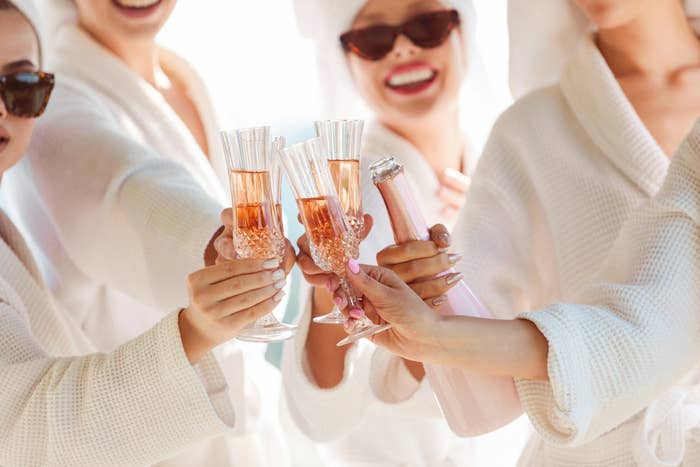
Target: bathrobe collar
x=600 y=105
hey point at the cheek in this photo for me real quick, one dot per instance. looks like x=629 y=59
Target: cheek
x=368 y=78
x=21 y=131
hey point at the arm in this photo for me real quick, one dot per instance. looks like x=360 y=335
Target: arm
x=125 y=215
x=105 y=409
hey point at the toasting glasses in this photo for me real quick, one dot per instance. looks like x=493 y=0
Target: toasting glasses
x=332 y=240
x=340 y=141
x=257 y=228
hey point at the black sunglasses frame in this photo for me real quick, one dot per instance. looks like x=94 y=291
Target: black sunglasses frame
x=349 y=43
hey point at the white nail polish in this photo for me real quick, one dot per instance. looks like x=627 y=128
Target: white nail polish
x=271 y=263
x=280 y=284
x=277 y=275
x=278 y=297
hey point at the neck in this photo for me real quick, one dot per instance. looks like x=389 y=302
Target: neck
x=440 y=140
x=140 y=55
x=658 y=42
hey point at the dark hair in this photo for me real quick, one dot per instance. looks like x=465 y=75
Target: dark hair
x=7 y=5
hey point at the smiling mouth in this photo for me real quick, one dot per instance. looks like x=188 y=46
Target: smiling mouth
x=136 y=4
x=411 y=81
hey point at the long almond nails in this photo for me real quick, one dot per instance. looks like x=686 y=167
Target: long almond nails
x=354 y=266
x=356 y=313
x=437 y=301
x=454 y=277
x=454 y=258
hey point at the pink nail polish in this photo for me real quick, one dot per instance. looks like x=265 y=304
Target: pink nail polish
x=354 y=266
x=329 y=286
x=356 y=313
x=339 y=302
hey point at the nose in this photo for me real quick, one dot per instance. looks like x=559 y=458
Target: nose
x=403 y=47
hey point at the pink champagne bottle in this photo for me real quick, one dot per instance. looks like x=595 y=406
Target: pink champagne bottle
x=472 y=403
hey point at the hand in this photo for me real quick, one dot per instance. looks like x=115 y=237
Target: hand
x=388 y=297
x=416 y=263
x=225 y=298
x=226 y=251
x=453 y=187
x=313 y=274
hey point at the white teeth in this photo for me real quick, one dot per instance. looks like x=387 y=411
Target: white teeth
x=411 y=77
x=137 y=3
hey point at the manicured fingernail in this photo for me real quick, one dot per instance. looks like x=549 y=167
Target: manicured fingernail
x=443 y=250
x=455 y=257
x=354 y=266
x=444 y=237
x=278 y=296
x=329 y=286
x=356 y=313
x=454 y=277
x=437 y=301
x=271 y=263
x=280 y=284
x=279 y=274
x=339 y=302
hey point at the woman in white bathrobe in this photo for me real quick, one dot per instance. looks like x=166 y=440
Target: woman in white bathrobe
x=414 y=93
x=563 y=170
x=121 y=191
x=151 y=397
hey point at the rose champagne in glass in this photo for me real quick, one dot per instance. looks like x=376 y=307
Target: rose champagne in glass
x=332 y=240
x=257 y=232
x=341 y=140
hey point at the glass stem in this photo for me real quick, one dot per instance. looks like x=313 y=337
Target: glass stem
x=350 y=294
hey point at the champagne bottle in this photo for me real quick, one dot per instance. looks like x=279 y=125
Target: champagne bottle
x=472 y=403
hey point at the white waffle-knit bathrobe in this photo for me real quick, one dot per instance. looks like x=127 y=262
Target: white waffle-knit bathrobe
x=564 y=169
x=134 y=406
x=119 y=202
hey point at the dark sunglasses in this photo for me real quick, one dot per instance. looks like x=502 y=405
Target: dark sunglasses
x=26 y=93
x=427 y=30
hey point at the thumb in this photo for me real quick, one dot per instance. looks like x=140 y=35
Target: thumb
x=373 y=282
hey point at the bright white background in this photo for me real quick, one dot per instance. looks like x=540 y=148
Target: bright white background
x=259 y=69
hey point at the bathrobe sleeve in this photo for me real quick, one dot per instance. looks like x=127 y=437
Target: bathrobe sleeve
x=135 y=406
x=634 y=332
x=135 y=219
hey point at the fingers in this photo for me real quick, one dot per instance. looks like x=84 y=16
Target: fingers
x=227 y=218
x=409 y=251
x=441 y=236
x=307 y=265
x=243 y=301
x=367 y=226
x=223 y=271
x=455 y=180
x=240 y=284
x=432 y=288
x=371 y=281
x=224 y=245
x=426 y=267
x=453 y=199
x=257 y=311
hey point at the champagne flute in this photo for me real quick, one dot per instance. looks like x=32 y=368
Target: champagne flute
x=332 y=241
x=257 y=232
x=340 y=141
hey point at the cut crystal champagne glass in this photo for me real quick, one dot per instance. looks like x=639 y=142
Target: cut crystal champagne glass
x=332 y=240
x=257 y=232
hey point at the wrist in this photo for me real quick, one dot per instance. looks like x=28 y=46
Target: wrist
x=194 y=342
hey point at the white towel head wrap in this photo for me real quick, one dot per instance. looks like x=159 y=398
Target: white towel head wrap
x=30 y=11
x=324 y=21
x=543 y=35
